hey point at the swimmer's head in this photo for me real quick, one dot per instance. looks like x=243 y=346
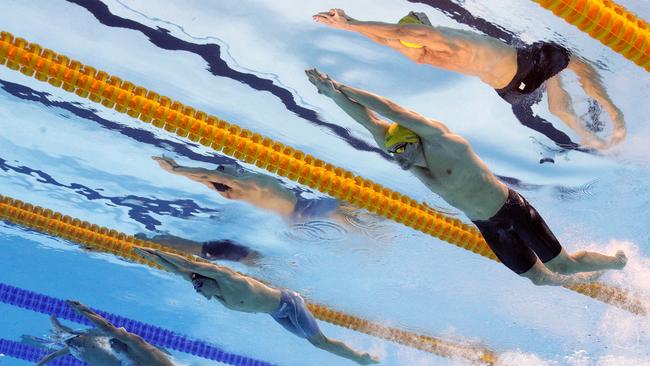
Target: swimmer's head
x=404 y=145
x=206 y=286
x=413 y=18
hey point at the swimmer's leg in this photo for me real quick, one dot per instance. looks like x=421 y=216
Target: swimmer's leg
x=583 y=261
x=540 y=275
x=52 y=356
x=340 y=349
x=560 y=104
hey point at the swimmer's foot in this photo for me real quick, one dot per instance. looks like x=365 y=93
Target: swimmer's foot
x=621 y=260
x=367 y=359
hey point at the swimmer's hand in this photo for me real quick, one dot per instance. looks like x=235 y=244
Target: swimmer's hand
x=324 y=83
x=162 y=259
x=166 y=163
x=335 y=18
x=80 y=308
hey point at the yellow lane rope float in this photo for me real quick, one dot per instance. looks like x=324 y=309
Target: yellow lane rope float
x=113 y=242
x=185 y=121
x=608 y=22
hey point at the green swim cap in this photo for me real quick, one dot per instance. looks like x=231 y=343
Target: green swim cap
x=410 y=19
x=397 y=134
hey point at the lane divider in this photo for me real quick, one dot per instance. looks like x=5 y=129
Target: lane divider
x=610 y=23
x=29 y=353
x=157 y=336
x=185 y=121
x=113 y=242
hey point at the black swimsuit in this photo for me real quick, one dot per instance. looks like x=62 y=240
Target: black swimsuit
x=518 y=235
x=536 y=64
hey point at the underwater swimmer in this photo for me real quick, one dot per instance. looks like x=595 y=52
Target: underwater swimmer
x=91 y=346
x=241 y=293
x=105 y=345
x=262 y=191
x=447 y=165
x=518 y=75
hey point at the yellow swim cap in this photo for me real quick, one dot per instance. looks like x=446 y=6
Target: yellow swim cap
x=410 y=19
x=397 y=134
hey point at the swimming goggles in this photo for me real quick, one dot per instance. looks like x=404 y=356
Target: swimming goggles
x=398 y=148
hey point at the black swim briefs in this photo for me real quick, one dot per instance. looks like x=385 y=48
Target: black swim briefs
x=535 y=64
x=518 y=235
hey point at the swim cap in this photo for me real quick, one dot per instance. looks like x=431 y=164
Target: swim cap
x=397 y=134
x=410 y=19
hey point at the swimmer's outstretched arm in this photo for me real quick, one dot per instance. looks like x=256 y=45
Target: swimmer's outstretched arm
x=414 y=33
x=101 y=323
x=186 y=267
x=53 y=356
x=422 y=126
x=359 y=113
x=201 y=175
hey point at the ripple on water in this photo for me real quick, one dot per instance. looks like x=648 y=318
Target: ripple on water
x=318 y=231
x=576 y=193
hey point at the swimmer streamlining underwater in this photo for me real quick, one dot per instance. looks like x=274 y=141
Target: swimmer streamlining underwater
x=241 y=293
x=447 y=165
x=262 y=191
x=105 y=345
x=518 y=75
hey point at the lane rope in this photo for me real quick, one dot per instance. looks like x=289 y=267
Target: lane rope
x=608 y=22
x=113 y=242
x=157 y=336
x=33 y=354
x=150 y=107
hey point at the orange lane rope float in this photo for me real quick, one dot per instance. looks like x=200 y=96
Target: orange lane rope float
x=608 y=22
x=113 y=242
x=185 y=121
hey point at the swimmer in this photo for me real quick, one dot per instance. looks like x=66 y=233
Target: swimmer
x=105 y=345
x=223 y=249
x=262 y=191
x=91 y=346
x=241 y=293
x=446 y=164
x=517 y=74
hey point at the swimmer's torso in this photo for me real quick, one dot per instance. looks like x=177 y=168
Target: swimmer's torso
x=248 y=295
x=144 y=355
x=493 y=61
x=93 y=349
x=459 y=176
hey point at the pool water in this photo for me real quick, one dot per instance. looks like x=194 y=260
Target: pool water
x=243 y=61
